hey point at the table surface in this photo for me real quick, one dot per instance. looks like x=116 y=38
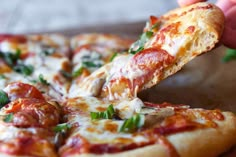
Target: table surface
x=23 y=16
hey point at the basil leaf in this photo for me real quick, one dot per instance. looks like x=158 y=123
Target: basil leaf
x=42 y=80
x=62 y=127
x=156 y=25
x=78 y=72
x=11 y=58
x=230 y=55
x=24 y=69
x=8 y=118
x=108 y=114
x=136 y=51
x=113 y=56
x=66 y=74
x=139 y=45
x=3 y=98
x=48 y=51
x=90 y=64
x=133 y=123
x=2 y=76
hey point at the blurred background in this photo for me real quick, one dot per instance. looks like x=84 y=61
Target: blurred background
x=24 y=16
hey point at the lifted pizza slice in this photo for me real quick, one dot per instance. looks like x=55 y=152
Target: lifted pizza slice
x=92 y=51
x=166 y=45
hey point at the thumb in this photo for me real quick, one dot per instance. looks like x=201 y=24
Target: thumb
x=183 y=3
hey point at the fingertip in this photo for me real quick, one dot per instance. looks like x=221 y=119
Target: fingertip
x=228 y=38
x=183 y=3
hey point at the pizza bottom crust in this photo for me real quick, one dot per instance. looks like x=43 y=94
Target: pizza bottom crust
x=209 y=142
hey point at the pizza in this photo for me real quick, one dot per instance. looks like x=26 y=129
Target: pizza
x=77 y=96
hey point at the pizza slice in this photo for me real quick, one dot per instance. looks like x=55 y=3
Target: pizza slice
x=39 y=60
x=136 y=128
x=27 y=122
x=92 y=51
x=166 y=45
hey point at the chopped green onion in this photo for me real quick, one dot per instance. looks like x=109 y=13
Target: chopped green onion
x=139 y=45
x=156 y=25
x=136 y=51
x=78 y=72
x=3 y=98
x=24 y=69
x=108 y=114
x=90 y=64
x=11 y=58
x=133 y=123
x=42 y=80
x=2 y=76
x=33 y=81
x=230 y=55
x=48 y=51
x=62 y=127
x=65 y=74
x=113 y=56
x=8 y=118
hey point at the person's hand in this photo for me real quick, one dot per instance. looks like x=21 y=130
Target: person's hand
x=229 y=9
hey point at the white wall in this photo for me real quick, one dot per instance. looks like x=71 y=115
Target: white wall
x=21 y=16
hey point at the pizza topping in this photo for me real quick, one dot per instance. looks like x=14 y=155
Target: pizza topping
x=127 y=108
x=47 y=51
x=62 y=127
x=108 y=114
x=32 y=112
x=78 y=72
x=11 y=58
x=66 y=74
x=133 y=123
x=2 y=76
x=3 y=98
x=139 y=45
x=17 y=90
x=8 y=118
x=43 y=81
x=24 y=69
x=113 y=56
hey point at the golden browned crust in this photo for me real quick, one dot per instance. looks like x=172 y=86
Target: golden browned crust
x=209 y=142
x=208 y=22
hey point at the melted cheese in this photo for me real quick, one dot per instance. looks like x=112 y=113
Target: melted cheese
x=128 y=108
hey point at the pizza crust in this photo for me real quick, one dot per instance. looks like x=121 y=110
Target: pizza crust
x=209 y=142
x=208 y=21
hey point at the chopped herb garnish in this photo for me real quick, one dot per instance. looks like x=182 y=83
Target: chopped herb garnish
x=230 y=55
x=133 y=123
x=42 y=80
x=113 y=56
x=156 y=25
x=2 y=76
x=24 y=69
x=108 y=114
x=139 y=45
x=66 y=74
x=62 y=127
x=136 y=51
x=90 y=64
x=33 y=81
x=78 y=72
x=11 y=58
x=8 y=118
x=3 y=98
x=48 y=51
